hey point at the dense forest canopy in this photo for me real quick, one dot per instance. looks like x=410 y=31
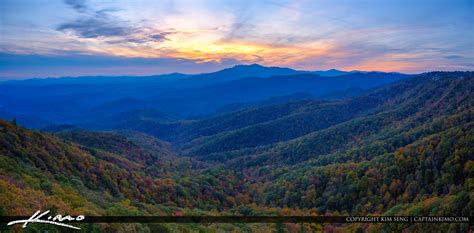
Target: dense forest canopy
x=403 y=146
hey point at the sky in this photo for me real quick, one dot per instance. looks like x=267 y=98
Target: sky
x=53 y=38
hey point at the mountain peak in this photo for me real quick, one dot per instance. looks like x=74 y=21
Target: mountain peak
x=330 y=73
x=253 y=70
x=250 y=65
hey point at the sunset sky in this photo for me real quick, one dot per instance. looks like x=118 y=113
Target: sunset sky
x=51 y=38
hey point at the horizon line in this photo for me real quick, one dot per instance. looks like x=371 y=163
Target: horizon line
x=5 y=79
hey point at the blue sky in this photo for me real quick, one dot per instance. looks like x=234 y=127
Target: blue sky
x=51 y=38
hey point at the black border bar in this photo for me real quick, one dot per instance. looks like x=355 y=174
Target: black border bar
x=263 y=219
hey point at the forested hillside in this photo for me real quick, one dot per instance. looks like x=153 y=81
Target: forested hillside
x=41 y=171
x=406 y=148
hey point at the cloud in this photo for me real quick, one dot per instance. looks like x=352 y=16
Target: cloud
x=100 y=24
x=454 y=57
x=96 y=23
x=140 y=37
x=93 y=28
x=160 y=36
x=299 y=34
x=78 y=5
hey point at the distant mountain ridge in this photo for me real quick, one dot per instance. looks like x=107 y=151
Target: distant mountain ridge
x=209 y=98
x=78 y=100
x=231 y=73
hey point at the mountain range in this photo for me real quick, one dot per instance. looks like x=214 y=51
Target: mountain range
x=249 y=140
x=42 y=102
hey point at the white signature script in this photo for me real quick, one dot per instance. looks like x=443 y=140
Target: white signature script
x=56 y=220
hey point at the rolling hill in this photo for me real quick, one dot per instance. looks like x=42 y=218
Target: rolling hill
x=405 y=148
x=396 y=109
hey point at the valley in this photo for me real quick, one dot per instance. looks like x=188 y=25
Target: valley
x=401 y=145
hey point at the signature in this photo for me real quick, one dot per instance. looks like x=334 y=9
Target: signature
x=56 y=220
